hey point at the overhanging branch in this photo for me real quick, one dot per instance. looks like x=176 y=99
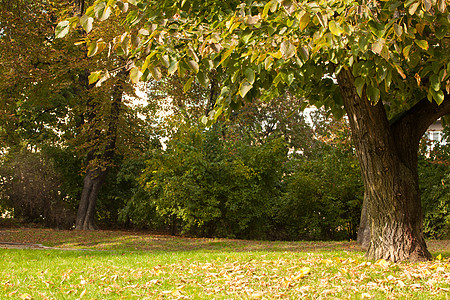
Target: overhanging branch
x=415 y=122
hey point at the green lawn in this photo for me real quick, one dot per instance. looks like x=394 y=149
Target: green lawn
x=129 y=265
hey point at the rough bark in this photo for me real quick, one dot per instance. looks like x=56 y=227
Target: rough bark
x=392 y=215
x=363 y=236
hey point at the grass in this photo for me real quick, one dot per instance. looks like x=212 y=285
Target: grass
x=131 y=265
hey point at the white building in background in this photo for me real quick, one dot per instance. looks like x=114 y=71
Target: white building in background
x=435 y=134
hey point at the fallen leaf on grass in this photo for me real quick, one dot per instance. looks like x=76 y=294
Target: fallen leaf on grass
x=25 y=296
x=82 y=293
x=257 y=295
x=382 y=262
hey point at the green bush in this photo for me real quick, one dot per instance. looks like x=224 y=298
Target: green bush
x=323 y=197
x=434 y=183
x=206 y=185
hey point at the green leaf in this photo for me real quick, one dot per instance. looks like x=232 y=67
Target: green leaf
x=287 y=49
x=203 y=79
x=441 y=32
x=218 y=112
x=422 y=44
x=268 y=62
x=62 y=29
x=377 y=47
x=92 y=49
x=86 y=23
x=376 y=28
x=373 y=94
x=226 y=54
x=188 y=84
x=412 y=9
x=193 y=65
x=277 y=55
x=435 y=83
x=266 y=10
x=156 y=73
x=363 y=42
x=148 y=61
x=304 y=53
x=398 y=30
x=359 y=84
x=335 y=28
x=245 y=87
x=438 y=96
x=94 y=77
x=204 y=120
x=250 y=75
x=304 y=19
x=165 y=60
x=406 y=51
x=135 y=74
x=102 y=12
x=173 y=67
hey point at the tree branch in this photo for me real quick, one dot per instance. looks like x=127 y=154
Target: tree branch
x=414 y=122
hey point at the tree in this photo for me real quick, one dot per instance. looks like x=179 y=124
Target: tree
x=386 y=63
x=47 y=97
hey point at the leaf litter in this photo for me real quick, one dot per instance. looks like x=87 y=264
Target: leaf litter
x=208 y=274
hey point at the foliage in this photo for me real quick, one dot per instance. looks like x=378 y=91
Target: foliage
x=144 y=266
x=434 y=179
x=396 y=50
x=215 y=186
x=239 y=181
x=324 y=191
x=32 y=189
x=49 y=102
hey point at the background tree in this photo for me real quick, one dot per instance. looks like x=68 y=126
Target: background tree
x=48 y=101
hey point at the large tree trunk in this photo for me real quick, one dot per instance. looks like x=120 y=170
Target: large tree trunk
x=363 y=237
x=392 y=215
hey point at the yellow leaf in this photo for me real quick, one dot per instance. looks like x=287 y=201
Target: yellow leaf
x=305 y=270
x=382 y=262
x=257 y=295
x=401 y=283
x=439 y=257
x=327 y=261
x=25 y=296
x=82 y=293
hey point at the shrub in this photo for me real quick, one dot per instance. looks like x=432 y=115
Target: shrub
x=31 y=188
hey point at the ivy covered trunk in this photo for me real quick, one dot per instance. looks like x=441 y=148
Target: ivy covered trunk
x=387 y=152
x=99 y=159
x=92 y=184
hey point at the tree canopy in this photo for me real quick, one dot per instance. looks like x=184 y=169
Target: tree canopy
x=395 y=49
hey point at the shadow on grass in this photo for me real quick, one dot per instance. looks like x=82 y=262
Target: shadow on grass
x=144 y=241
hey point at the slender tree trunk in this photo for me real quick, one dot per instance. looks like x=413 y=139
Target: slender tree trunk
x=93 y=182
x=99 y=164
x=392 y=215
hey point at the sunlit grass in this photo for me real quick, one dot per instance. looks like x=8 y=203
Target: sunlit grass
x=182 y=268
